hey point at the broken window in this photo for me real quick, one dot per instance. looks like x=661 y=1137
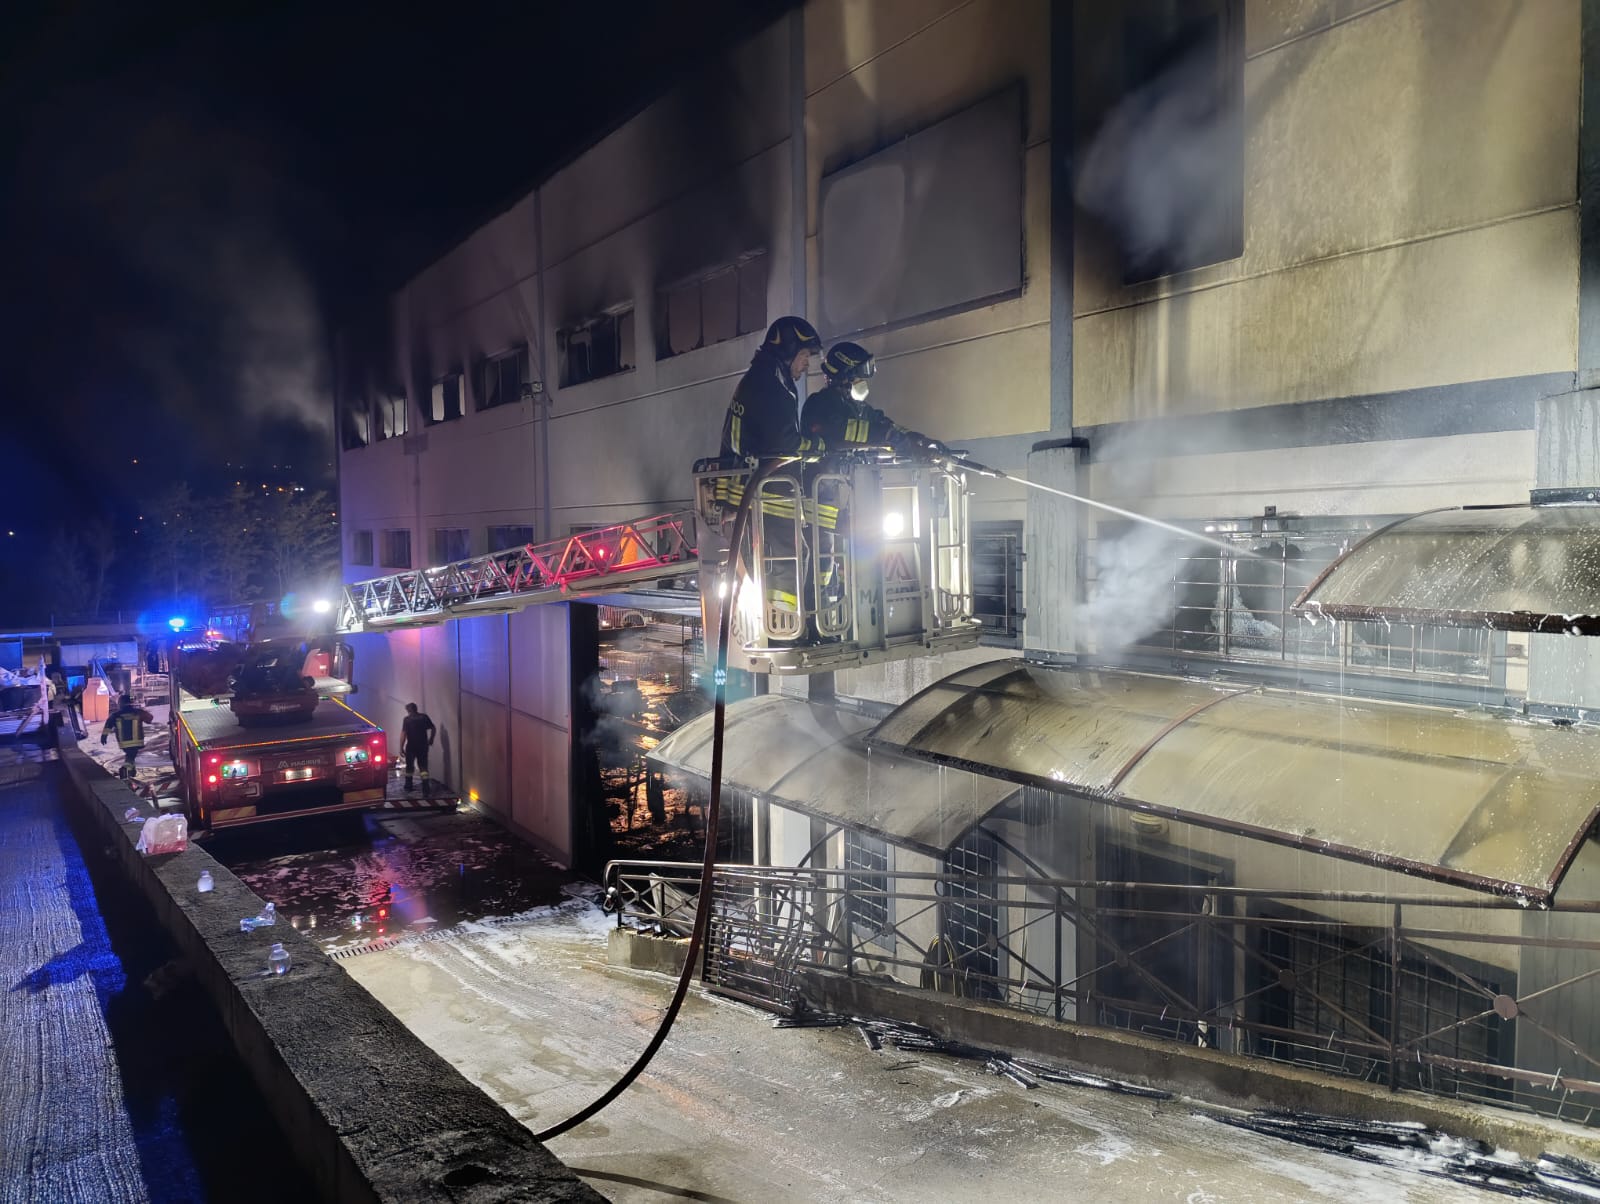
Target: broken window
x=500 y=378
x=597 y=347
x=389 y=418
x=446 y=400
x=356 y=427
x=1164 y=170
x=396 y=550
x=361 y=547
x=451 y=544
x=713 y=307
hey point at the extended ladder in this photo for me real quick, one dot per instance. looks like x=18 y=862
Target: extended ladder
x=589 y=564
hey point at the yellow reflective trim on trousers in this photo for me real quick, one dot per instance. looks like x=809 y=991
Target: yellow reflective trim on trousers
x=780 y=596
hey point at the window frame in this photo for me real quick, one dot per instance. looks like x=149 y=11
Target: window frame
x=363 y=548
x=481 y=398
x=868 y=860
x=1003 y=623
x=388 y=545
x=620 y=319
x=743 y=324
x=444 y=537
x=439 y=400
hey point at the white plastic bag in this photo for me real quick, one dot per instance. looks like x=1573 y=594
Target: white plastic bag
x=164 y=834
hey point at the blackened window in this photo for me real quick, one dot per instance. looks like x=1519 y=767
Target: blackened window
x=446 y=400
x=361 y=547
x=500 y=378
x=390 y=418
x=356 y=426
x=971 y=914
x=396 y=550
x=598 y=347
x=450 y=544
x=719 y=305
x=501 y=538
x=1164 y=171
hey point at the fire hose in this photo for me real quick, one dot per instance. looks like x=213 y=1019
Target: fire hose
x=702 y=911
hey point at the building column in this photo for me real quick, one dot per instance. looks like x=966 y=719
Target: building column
x=1062 y=87
x=1562 y=670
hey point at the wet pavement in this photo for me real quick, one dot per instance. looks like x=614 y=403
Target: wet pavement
x=117 y=1081
x=734 y=1109
x=345 y=880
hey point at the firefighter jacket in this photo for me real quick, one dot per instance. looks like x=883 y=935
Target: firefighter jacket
x=843 y=423
x=128 y=724
x=762 y=418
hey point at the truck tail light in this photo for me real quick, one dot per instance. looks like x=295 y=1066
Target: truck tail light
x=377 y=749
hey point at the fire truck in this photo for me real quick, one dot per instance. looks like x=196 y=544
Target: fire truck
x=262 y=732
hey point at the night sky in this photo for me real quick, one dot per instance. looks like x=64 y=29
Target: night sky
x=195 y=196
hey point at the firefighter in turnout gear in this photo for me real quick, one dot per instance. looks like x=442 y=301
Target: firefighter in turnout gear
x=762 y=423
x=839 y=416
x=416 y=738
x=127 y=721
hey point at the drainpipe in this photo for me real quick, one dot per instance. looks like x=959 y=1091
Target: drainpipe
x=541 y=396
x=799 y=216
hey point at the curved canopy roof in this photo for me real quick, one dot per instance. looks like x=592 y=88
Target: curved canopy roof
x=1472 y=799
x=1516 y=568
x=810 y=758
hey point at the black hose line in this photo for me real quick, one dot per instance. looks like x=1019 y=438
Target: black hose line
x=702 y=911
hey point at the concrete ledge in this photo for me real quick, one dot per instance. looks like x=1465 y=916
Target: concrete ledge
x=646 y=951
x=372 y=1113
x=1203 y=1073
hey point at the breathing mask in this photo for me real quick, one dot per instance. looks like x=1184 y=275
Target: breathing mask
x=859 y=389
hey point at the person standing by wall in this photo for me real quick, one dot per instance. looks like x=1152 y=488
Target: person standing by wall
x=416 y=737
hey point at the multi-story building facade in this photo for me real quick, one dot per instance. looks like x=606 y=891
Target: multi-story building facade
x=1284 y=272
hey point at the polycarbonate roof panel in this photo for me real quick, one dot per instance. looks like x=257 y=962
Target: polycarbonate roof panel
x=810 y=758
x=1517 y=568
x=1472 y=799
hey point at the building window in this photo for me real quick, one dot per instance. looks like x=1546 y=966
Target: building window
x=500 y=378
x=1164 y=173
x=396 y=550
x=361 y=547
x=601 y=346
x=446 y=400
x=1152 y=592
x=712 y=308
x=930 y=225
x=451 y=544
x=1317 y=981
x=997 y=581
x=869 y=914
x=356 y=426
x=390 y=418
x=501 y=538
x=971 y=915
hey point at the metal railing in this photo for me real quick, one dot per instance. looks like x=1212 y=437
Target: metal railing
x=587 y=563
x=1407 y=990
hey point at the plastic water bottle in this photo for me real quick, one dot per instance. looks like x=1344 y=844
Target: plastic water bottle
x=205 y=884
x=278 y=959
x=266 y=919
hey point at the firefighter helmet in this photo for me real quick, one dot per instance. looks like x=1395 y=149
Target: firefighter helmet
x=790 y=336
x=846 y=362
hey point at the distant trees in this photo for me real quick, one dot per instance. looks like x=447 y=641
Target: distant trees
x=243 y=546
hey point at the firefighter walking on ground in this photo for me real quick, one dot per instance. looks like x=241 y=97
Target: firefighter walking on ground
x=416 y=737
x=762 y=423
x=127 y=722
